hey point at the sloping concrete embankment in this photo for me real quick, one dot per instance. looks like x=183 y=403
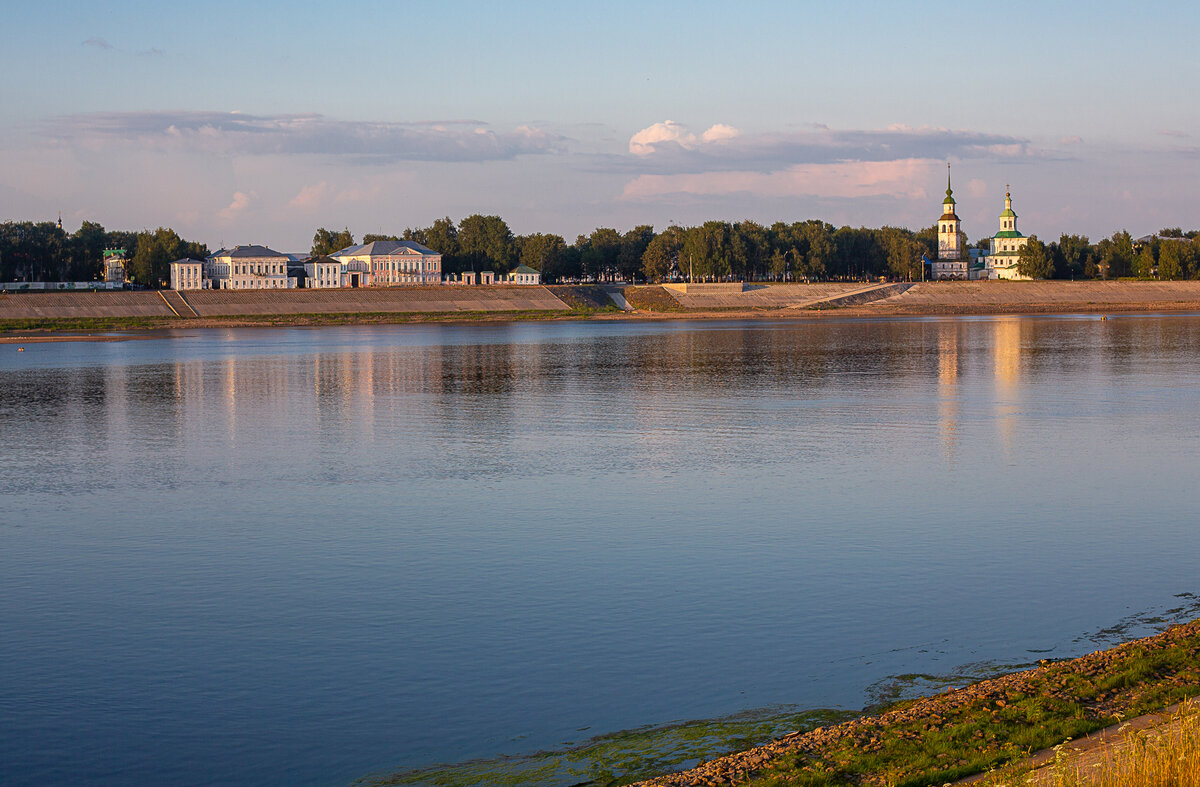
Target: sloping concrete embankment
x=214 y=303
x=75 y=305
x=1057 y=296
x=226 y=303
x=769 y=296
x=786 y=296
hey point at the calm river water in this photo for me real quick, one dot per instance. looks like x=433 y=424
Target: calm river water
x=303 y=556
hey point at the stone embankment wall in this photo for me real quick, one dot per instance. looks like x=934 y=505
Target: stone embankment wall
x=1054 y=295
x=769 y=296
x=212 y=303
x=221 y=303
x=73 y=305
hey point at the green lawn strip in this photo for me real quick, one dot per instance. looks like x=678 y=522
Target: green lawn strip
x=938 y=739
x=56 y=324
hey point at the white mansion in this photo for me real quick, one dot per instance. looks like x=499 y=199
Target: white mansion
x=389 y=263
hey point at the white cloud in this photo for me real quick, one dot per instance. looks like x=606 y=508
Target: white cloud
x=241 y=201
x=645 y=142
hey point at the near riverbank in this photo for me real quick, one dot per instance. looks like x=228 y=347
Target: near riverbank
x=993 y=723
x=23 y=315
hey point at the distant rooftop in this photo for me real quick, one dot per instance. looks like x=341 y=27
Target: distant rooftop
x=383 y=248
x=238 y=252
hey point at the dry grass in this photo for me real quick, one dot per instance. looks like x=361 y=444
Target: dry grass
x=1165 y=757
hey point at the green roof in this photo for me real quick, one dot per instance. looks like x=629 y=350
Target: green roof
x=524 y=269
x=1008 y=214
x=1008 y=234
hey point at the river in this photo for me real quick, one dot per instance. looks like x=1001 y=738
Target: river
x=304 y=556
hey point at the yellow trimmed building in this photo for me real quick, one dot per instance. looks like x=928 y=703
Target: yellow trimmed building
x=1005 y=248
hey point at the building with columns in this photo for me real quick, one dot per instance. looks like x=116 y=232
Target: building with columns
x=952 y=258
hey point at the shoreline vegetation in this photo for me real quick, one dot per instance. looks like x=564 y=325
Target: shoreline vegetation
x=82 y=316
x=1000 y=728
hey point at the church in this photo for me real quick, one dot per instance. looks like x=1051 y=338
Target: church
x=956 y=261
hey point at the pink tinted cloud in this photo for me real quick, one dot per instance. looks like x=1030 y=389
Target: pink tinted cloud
x=241 y=201
x=310 y=197
x=900 y=178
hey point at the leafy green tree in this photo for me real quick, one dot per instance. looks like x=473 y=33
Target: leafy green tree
x=633 y=246
x=326 y=242
x=1073 y=256
x=751 y=249
x=371 y=238
x=858 y=254
x=1171 y=262
x=1033 y=260
x=1144 y=263
x=662 y=255
x=903 y=252
x=33 y=251
x=543 y=253
x=599 y=253
x=1115 y=255
x=928 y=238
x=87 y=246
x=817 y=241
x=150 y=264
x=707 y=251
x=486 y=243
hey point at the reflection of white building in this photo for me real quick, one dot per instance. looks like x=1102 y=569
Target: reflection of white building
x=1005 y=248
x=523 y=274
x=385 y=263
x=188 y=275
x=248 y=268
x=952 y=258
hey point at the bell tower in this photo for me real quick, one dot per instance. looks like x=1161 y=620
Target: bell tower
x=949 y=230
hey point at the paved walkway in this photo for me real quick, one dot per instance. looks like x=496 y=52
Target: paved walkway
x=1079 y=756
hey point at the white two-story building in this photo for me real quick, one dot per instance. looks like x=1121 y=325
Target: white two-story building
x=387 y=263
x=248 y=268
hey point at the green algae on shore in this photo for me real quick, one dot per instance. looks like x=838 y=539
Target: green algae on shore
x=621 y=757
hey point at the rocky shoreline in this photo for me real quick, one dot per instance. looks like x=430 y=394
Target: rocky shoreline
x=951 y=735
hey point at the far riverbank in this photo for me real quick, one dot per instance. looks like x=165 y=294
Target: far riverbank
x=24 y=316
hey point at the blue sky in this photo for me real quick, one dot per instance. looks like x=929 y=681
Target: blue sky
x=258 y=122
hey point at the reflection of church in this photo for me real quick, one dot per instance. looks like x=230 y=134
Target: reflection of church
x=956 y=261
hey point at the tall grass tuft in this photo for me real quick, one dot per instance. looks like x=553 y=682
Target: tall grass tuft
x=1167 y=756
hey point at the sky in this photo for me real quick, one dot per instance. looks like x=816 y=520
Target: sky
x=255 y=122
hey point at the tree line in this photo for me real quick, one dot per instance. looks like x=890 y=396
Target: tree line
x=800 y=251
x=43 y=251
x=810 y=250
x=1170 y=255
